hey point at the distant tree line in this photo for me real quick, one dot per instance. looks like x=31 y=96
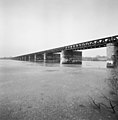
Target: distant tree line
x=97 y=58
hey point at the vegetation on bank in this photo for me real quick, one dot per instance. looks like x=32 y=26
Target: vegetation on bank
x=109 y=103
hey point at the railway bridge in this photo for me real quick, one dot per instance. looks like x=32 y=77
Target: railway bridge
x=72 y=54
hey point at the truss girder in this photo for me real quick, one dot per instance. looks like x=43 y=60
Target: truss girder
x=80 y=46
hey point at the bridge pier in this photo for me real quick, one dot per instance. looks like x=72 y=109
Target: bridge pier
x=22 y=58
x=29 y=58
x=71 y=57
x=25 y=58
x=112 y=55
x=35 y=57
x=51 y=57
x=39 y=57
x=44 y=57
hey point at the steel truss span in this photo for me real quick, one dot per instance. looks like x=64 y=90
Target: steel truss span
x=98 y=43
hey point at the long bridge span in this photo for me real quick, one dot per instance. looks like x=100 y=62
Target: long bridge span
x=71 y=54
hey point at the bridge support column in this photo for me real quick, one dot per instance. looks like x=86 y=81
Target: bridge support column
x=51 y=57
x=71 y=57
x=24 y=58
x=29 y=58
x=35 y=57
x=112 y=55
x=44 y=57
x=39 y=57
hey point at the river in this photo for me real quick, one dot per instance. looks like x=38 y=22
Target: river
x=52 y=91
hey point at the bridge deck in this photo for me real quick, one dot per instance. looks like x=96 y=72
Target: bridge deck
x=82 y=46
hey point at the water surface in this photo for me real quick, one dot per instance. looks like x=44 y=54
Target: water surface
x=52 y=91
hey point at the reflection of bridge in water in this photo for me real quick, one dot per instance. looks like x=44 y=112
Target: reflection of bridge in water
x=70 y=55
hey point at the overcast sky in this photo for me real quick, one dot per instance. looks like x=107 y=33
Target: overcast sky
x=34 y=25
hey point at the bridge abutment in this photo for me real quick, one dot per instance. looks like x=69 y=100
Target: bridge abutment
x=112 y=55
x=71 y=57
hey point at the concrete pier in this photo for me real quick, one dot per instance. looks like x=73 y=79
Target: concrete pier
x=29 y=58
x=44 y=56
x=39 y=57
x=25 y=59
x=112 y=55
x=71 y=57
x=51 y=57
x=35 y=57
x=22 y=58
